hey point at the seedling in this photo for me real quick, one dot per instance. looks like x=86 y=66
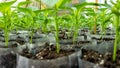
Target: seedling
x=5 y=9
x=115 y=11
x=28 y=18
x=56 y=5
x=77 y=11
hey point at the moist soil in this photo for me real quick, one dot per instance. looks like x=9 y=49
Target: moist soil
x=104 y=39
x=103 y=60
x=47 y=52
x=63 y=35
x=8 y=60
x=79 y=44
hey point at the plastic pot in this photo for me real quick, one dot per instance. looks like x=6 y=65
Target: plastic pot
x=104 y=47
x=8 y=54
x=7 y=58
x=70 y=61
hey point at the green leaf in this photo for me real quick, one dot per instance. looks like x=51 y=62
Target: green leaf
x=5 y=6
x=43 y=10
x=26 y=10
x=80 y=5
x=61 y=3
x=23 y=3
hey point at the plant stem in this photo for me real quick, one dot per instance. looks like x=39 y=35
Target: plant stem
x=95 y=27
x=116 y=38
x=6 y=31
x=27 y=4
x=31 y=36
x=32 y=30
x=44 y=27
x=6 y=37
x=40 y=4
x=57 y=31
x=75 y=26
x=95 y=18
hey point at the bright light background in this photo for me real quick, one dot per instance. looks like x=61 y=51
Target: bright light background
x=100 y=1
x=12 y=0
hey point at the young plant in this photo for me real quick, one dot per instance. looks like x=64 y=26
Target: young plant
x=65 y=21
x=101 y=13
x=104 y=13
x=57 y=26
x=5 y=9
x=28 y=19
x=77 y=10
x=59 y=4
x=116 y=12
x=45 y=21
x=56 y=5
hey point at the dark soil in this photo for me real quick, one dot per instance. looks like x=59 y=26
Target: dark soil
x=65 y=34
x=103 y=39
x=48 y=52
x=62 y=34
x=82 y=42
x=100 y=59
x=79 y=44
x=92 y=56
x=8 y=61
x=20 y=40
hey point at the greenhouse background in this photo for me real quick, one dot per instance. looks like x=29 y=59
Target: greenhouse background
x=73 y=1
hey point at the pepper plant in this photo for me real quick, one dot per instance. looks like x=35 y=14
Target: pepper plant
x=106 y=14
x=116 y=11
x=5 y=9
x=57 y=4
x=28 y=19
x=77 y=9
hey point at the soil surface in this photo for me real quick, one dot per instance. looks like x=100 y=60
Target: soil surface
x=8 y=61
x=100 y=59
x=48 y=52
x=103 y=39
x=63 y=34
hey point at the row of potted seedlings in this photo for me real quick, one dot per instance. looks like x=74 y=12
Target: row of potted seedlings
x=44 y=38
